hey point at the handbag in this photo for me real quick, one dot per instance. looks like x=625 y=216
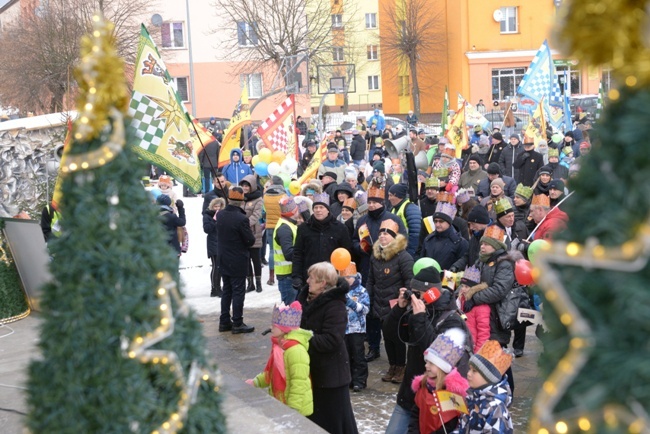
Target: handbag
x=507 y=308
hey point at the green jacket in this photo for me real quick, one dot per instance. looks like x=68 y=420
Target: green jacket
x=298 y=393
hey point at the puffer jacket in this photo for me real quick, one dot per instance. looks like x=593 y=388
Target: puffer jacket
x=488 y=410
x=498 y=272
x=297 y=394
x=391 y=268
x=272 y=198
x=508 y=158
x=413 y=217
x=358 y=304
x=445 y=247
x=253 y=204
x=358 y=148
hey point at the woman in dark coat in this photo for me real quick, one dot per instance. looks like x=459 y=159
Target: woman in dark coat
x=210 y=228
x=170 y=220
x=325 y=314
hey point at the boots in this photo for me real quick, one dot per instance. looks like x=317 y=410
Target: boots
x=216 y=287
x=399 y=375
x=271 y=280
x=258 y=283
x=251 y=286
x=388 y=377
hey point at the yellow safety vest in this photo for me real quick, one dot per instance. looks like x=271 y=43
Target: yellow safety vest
x=281 y=265
x=55 y=223
x=400 y=213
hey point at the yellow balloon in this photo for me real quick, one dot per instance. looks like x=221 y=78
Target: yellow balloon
x=294 y=187
x=278 y=157
x=266 y=156
x=255 y=160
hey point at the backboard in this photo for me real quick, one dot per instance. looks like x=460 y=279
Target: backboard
x=294 y=74
x=336 y=78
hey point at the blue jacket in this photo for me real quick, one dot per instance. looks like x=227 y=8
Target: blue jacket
x=413 y=217
x=358 y=304
x=235 y=172
x=381 y=122
x=488 y=408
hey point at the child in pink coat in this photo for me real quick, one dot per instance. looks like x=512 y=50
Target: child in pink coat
x=478 y=317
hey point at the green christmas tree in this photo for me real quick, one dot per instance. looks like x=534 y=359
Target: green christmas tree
x=121 y=352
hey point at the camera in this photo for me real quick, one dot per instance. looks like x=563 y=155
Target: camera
x=408 y=293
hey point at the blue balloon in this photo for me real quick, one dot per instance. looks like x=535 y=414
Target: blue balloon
x=262 y=168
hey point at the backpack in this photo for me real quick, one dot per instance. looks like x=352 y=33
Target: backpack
x=508 y=308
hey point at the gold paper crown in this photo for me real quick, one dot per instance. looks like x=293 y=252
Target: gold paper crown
x=432 y=182
x=553 y=152
x=495 y=232
x=350 y=203
x=502 y=207
x=541 y=200
x=445 y=196
x=523 y=191
x=493 y=353
x=442 y=172
x=350 y=270
x=389 y=225
x=376 y=193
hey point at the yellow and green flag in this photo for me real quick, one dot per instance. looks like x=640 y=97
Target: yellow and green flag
x=457 y=132
x=536 y=129
x=159 y=119
x=241 y=116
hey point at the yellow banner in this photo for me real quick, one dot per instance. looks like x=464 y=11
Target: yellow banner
x=457 y=132
x=319 y=157
x=536 y=129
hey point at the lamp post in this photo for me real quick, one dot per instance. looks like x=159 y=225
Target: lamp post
x=189 y=46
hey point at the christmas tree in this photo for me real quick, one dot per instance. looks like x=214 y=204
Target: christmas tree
x=121 y=352
x=595 y=278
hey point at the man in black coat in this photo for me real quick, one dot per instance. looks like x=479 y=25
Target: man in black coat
x=171 y=221
x=357 y=147
x=444 y=244
x=209 y=157
x=527 y=164
x=235 y=240
x=509 y=156
x=221 y=186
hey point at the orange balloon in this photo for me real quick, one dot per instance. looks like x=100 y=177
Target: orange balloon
x=340 y=258
x=278 y=157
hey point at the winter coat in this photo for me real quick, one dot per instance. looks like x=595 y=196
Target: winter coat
x=427 y=206
x=335 y=205
x=473 y=251
x=213 y=194
x=527 y=165
x=559 y=171
x=171 y=222
x=236 y=171
x=297 y=394
x=413 y=218
x=315 y=242
x=272 y=197
x=507 y=160
x=337 y=166
x=210 y=228
x=498 y=272
x=391 y=268
x=419 y=331
x=381 y=121
x=358 y=148
x=445 y=247
x=509 y=189
x=358 y=304
x=521 y=212
x=209 y=155
x=326 y=316
x=494 y=154
x=472 y=179
x=478 y=319
x=422 y=419
x=235 y=240
x=556 y=221
x=488 y=410
x=253 y=204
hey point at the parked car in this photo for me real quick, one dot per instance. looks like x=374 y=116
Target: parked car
x=583 y=104
x=495 y=119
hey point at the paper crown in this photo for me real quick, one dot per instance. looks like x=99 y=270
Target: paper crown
x=541 y=200
x=432 y=182
x=236 y=193
x=377 y=194
x=287 y=317
x=350 y=270
x=449 y=149
x=464 y=195
x=523 y=191
x=447 y=209
x=447 y=349
x=361 y=197
x=491 y=361
x=494 y=231
x=471 y=276
x=389 y=226
x=441 y=172
x=350 y=203
x=303 y=205
x=553 y=152
x=165 y=179
x=322 y=198
x=567 y=150
x=287 y=206
x=502 y=207
x=444 y=196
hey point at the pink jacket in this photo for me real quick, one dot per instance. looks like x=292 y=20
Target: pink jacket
x=478 y=322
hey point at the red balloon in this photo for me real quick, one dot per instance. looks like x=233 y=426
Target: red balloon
x=524 y=272
x=340 y=258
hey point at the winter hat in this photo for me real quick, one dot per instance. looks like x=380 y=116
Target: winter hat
x=350 y=270
x=524 y=192
x=494 y=169
x=498 y=136
x=476 y=158
x=276 y=180
x=379 y=141
x=503 y=207
x=155 y=192
x=164 y=200
x=428 y=280
x=479 y=214
x=471 y=276
x=236 y=194
x=376 y=194
x=556 y=184
x=514 y=136
x=447 y=349
x=287 y=318
x=355 y=132
x=321 y=199
x=331 y=147
x=541 y=200
x=389 y=226
x=546 y=170
x=553 y=152
x=449 y=150
x=491 y=361
x=585 y=145
x=398 y=190
x=445 y=211
x=569 y=134
x=247 y=153
x=288 y=206
x=494 y=236
x=165 y=180
x=330 y=174
x=484 y=141
x=464 y=195
x=557 y=138
x=499 y=182
x=379 y=167
x=432 y=182
x=350 y=173
x=478 y=128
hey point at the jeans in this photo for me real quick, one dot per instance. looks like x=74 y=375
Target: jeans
x=207 y=180
x=234 y=292
x=399 y=421
x=287 y=293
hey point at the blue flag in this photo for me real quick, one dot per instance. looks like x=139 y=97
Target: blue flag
x=541 y=80
x=568 y=123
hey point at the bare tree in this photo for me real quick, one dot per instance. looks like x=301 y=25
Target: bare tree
x=412 y=40
x=38 y=52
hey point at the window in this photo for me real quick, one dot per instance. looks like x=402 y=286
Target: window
x=574 y=83
x=246 y=34
x=371 y=21
x=404 y=87
x=254 y=82
x=373 y=52
x=337 y=21
x=172 y=35
x=337 y=54
x=509 y=21
x=180 y=84
x=607 y=80
x=373 y=82
x=505 y=82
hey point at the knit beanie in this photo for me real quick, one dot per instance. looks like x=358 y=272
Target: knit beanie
x=491 y=361
x=476 y=158
x=499 y=182
x=398 y=190
x=164 y=200
x=494 y=169
x=479 y=214
x=379 y=167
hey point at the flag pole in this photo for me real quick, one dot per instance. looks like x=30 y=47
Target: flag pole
x=295 y=131
x=543 y=120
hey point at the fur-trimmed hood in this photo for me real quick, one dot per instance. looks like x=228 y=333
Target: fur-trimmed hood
x=454 y=383
x=391 y=250
x=314 y=184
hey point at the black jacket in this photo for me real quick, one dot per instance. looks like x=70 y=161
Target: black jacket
x=209 y=156
x=210 y=228
x=235 y=240
x=335 y=205
x=315 y=242
x=326 y=316
x=527 y=165
x=171 y=222
x=358 y=148
x=472 y=255
x=445 y=247
x=507 y=160
x=213 y=194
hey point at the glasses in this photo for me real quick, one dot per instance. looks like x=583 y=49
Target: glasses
x=438 y=221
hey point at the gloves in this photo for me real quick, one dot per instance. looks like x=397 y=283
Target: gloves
x=296 y=283
x=523 y=246
x=514 y=244
x=453 y=269
x=179 y=204
x=526 y=155
x=351 y=303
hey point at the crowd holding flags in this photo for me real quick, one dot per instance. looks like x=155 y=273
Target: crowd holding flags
x=241 y=117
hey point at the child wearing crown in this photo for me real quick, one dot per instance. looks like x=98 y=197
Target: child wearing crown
x=287 y=371
x=433 y=412
x=358 y=306
x=489 y=395
x=478 y=317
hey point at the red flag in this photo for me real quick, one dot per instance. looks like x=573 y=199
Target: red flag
x=277 y=132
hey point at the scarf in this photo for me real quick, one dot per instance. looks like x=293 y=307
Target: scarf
x=274 y=372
